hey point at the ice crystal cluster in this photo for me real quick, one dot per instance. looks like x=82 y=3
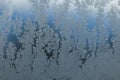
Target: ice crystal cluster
x=60 y=40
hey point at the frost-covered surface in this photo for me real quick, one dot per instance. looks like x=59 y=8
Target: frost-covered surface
x=60 y=40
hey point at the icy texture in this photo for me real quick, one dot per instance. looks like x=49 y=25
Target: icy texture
x=61 y=40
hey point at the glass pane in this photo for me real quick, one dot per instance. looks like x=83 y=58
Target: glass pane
x=59 y=39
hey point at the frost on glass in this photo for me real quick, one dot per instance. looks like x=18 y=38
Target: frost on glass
x=60 y=40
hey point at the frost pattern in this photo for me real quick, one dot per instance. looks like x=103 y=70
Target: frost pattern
x=59 y=43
